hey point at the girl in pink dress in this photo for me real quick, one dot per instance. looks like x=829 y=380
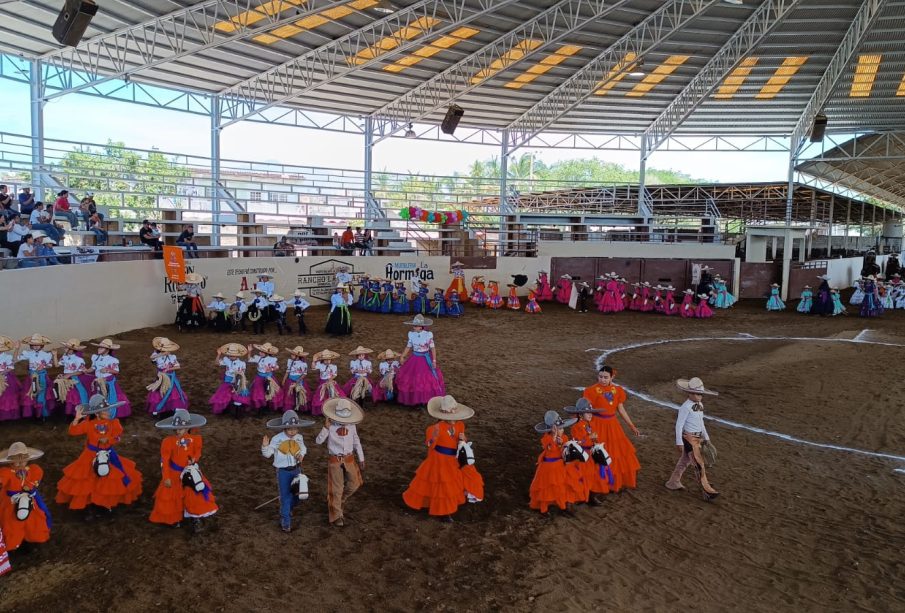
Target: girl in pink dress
x=703 y=310
x=419 y=378
x=360 y=385
x=599 y=291
x=328 y=388
x=564 y=289
x=9 y=385
x=635 y=298
x=74 y=383
x=659 y=304
x=687 y=307
x=544 y=291
x=295 y=393
x=612 y=298
x=669 y=301
x=647 y=301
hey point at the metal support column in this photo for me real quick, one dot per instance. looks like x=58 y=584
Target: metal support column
x=36 y=84
x=860 y=228
x=642 y=179
x=504 y=189
x=848 y=221
x=369 y=162
x=809 y=241
x=790 y=194
x=829 y=232
x=215 y=170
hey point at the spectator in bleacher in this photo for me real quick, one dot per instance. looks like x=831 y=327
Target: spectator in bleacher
x=45 y=249
x=359 y=242
x=40 y=220
x=186 y=240
x=283 y=248
x=146 y=236
x=15 y=233
x=6 y=202
x=26 y=201
x=61 y=207
x=85 y=211
x=28 y=249
x=368 y=243
x=337 y=241
x=347 y=239
x=96 y=225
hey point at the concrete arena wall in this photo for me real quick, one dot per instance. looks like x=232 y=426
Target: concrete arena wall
x=606 y=249
x=844 y=271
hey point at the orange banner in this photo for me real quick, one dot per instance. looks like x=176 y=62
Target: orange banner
x=174 y=263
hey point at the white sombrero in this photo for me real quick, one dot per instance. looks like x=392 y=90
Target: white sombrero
x=694 y=386
x=419 y=320
x=445 y=408
x=107 y=343
x=343 y=411
x=193 y=278
x=19 y=451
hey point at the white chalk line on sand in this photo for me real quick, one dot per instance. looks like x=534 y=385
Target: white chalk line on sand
x=861 y=334
x=605 y=353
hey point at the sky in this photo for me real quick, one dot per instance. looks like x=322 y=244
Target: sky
x=89 y=119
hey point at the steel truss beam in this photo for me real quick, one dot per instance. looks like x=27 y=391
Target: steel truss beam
x=443 y=89
x=865 y=18
x=164 y=39
x=745 y=40
x=657 y=27
x=881 y=146
x=333 y=60
x=841 y=184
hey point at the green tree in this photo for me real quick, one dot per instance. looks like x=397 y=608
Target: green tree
x=124 y=179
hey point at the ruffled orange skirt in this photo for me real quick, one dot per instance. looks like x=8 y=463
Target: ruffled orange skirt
x=35 y=529
x=625 y=465
x=440 y=485
x=80 y=485
x=172 y=504
x=549 y=486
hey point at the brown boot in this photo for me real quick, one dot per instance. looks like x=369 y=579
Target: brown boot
x=675 y=480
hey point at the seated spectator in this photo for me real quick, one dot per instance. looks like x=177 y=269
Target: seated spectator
x=348 y=239
x=337 y=241
x=96 y=225
x=146 y=236
x=38 y=214
x=26 y=201
x=283 y=248
x=61 y=207
x=359 y=241
x=6 y=202
x=368 y=244
x=28 y=249
x=15 y=233
x=40 y=220
x=186 y=240
x=45 y=249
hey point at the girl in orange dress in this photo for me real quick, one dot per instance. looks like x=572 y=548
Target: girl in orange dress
x=458 y=282
x=445 y=479
x=598 y=479
x=551 y=484
x=176 y=496
x=610 y=399
x=18 y=479
x=99 y=476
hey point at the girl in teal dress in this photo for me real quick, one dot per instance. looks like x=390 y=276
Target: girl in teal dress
x=775 y=303
x=807 y=300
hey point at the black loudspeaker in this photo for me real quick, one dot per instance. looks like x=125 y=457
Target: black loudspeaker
x=73 y=21
x=818 y=129
x=453 y=115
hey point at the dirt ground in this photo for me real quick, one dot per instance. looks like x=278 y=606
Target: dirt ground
x=797 y=527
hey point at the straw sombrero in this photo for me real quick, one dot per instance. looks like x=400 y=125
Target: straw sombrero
x=267 y=348
x=181 y=419
x=326 y=354
x=258 y=291
x=97 y=404
x=689 y=291
x=340 y=286
x=162 y=343
x=359 y=350
x=298 y=351
x=36 y=339
x=276 y=298
x=233 y=350
x=20 y=451
x=456 y=264
x=107 y=343
x=298 y=293
x=419 y=320
x=289 y=419
x=240 y=295
x=389 y=354
x=73 y=343
x=218 y=295
x=343 y=411
x=193 y=278
x=6 y=343
x=445 y=408
x=694 y=386
x=552 y=418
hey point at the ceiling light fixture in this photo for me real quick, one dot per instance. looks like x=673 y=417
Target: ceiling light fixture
x=734 y=2
x=385 y=7
x=410 y=133
x=637 y=70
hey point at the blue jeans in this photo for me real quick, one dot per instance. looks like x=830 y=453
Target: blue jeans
x=191 y=249
x=31 y=263
x=70 y=217
x=100 y=236
x=288 y=500
x=50 y=230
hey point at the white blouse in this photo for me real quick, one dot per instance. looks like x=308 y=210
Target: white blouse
x=300 y=303
x=261 y=302
x=6 y=362
x=71 y=363
x=690 y=421
x=327 y=371
x=217 y=305
x=422 y=342
x=106 y=361
x=360 y=368
x=240 y=305
x=165 y=361
x=234 y=366
x=279 y=306
x=266 y=363
x=386 y=366
x=193 y=289
x=296 y=368
x=37 y=360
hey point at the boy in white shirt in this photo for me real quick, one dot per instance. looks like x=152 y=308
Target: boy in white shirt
x=691 y=436
x=287 y=448
x=300 y=305
x=343 y=446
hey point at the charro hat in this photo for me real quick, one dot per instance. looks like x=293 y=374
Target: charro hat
x=6 y=343
x=49 y=241
x=97 y=404
x=343 y=411
x=419 y=320
x=233 y=350
x=72 y=343
x=162 y=343
x=181 y=419
x=193 y=278
x=20 y=451
x=107 y=343
x=340 y=286
x=298 y=350
x=552 y=418
x=267 y=348
x=582 y=405
x=276 y=298
x=359 y=350
x=389 y=354
x=298 y=293
x=265 y=275
x=289 y=419
x=446 y=408
x=694 y=386
x=36 y=339
x=565 y=276
x=689 y=291
x=240 y=294
x=258 y=291
x=456 y=264
x=326 y=354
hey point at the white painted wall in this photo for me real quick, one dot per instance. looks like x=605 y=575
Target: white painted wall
x=844 y=271
x=607 y=249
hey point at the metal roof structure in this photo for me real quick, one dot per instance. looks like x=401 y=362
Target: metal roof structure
x=651 y=68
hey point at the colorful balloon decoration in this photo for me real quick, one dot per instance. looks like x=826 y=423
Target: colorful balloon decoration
x=415 y=213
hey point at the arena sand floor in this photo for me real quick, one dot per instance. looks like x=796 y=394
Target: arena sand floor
x=796 y=528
